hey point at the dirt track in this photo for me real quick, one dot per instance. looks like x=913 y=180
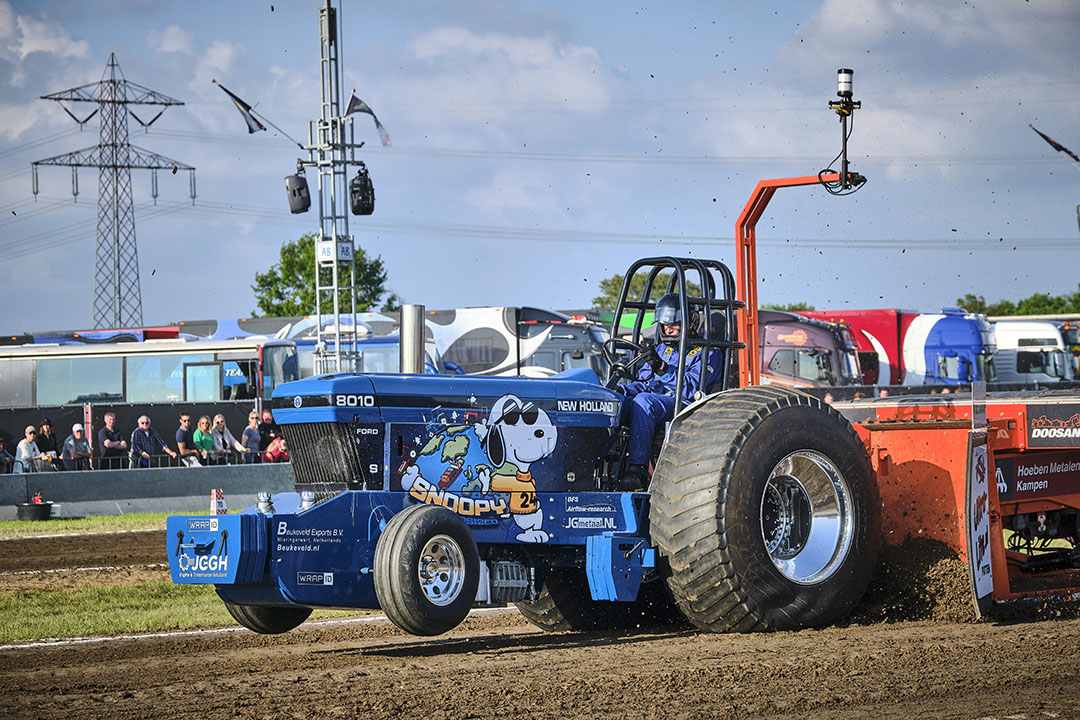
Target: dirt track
x=496 y=665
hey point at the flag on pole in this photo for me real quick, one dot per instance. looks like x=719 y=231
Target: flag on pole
x=1056 y=145
x=358 y=105
x=252 y=123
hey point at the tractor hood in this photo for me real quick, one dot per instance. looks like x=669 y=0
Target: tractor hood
x=351 y=397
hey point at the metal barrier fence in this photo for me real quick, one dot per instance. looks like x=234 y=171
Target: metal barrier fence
x=120 y=492
x=229 y=457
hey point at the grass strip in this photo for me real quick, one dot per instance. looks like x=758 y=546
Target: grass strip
x=100 y=523
x=117 y=610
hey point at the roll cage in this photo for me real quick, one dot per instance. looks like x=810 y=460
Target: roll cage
x=716 y=304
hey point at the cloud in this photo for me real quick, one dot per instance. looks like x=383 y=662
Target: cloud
x=172 y=39
x=216 y=62
x=40 y=35
x=488 y=75
x=7 y=23
x=512 y=191
x=16 y=119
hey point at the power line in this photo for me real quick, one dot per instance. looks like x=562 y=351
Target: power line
x=399 y=151
x=218 y=211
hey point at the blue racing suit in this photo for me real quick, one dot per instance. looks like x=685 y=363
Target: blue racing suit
x=653 y=395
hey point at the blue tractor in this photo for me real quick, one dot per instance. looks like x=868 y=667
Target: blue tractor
x=428 y=495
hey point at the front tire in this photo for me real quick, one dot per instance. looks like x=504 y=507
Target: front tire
x=765 y=508
x=426 y=570
x=563 y=604
x=268 y=620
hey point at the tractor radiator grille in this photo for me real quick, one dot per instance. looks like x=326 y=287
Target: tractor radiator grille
x=326 y=459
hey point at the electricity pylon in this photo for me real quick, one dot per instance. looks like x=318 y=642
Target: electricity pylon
x=117 y=293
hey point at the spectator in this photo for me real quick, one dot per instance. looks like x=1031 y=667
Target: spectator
x=49 y=444
x=28 y=458
x=224 y=442
x=276 y=451
x=144 y=441
x=268 y=430
x=7 y=460
x=250 y=439
x=204 y=441
x=185 y=442
x=76 y=449
x=111 y=444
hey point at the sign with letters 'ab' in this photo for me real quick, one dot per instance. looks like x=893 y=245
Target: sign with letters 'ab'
x=324 y=251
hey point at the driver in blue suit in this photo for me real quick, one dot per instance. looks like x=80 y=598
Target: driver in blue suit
x=652 y=394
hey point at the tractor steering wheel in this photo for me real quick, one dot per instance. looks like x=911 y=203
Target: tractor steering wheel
x=620 y=370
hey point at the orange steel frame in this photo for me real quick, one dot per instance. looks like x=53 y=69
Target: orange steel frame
x=919 y=456
x=919 y=453
x=746 y=268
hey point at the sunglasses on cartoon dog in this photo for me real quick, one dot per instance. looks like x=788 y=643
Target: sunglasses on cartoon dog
x=513 y=412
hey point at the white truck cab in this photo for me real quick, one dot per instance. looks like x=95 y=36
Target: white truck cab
x=1030 y=352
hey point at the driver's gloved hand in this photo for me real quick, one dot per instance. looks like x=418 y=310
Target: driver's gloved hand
x=652 y=358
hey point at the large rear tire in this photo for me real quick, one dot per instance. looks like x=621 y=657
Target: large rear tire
x=268 y=620
x=765 y=509
x=426 y=570
x=563 y=604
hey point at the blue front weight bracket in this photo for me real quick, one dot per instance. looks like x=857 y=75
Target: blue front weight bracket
x=219 y=549
x=615 y=565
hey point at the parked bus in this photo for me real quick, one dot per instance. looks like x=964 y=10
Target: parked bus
x=152 y=371
x=93 y=336
x=80 y=382
x=510 y=341
x=378 y=354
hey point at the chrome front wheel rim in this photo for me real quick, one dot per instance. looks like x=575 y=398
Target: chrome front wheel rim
x=441 y=570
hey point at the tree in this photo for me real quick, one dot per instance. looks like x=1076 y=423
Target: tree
x=288 y=287
x=789 y=307
x=1037 y=304
x=611 y=287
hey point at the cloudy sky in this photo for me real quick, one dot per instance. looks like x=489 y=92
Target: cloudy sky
x=540 y=147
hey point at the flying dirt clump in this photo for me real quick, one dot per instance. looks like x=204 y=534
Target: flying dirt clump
x=921 y=579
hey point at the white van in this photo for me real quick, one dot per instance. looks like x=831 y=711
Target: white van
x=1030 y=352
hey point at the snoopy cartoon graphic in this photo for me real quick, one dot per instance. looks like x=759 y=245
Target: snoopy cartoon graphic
x=517 y=434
